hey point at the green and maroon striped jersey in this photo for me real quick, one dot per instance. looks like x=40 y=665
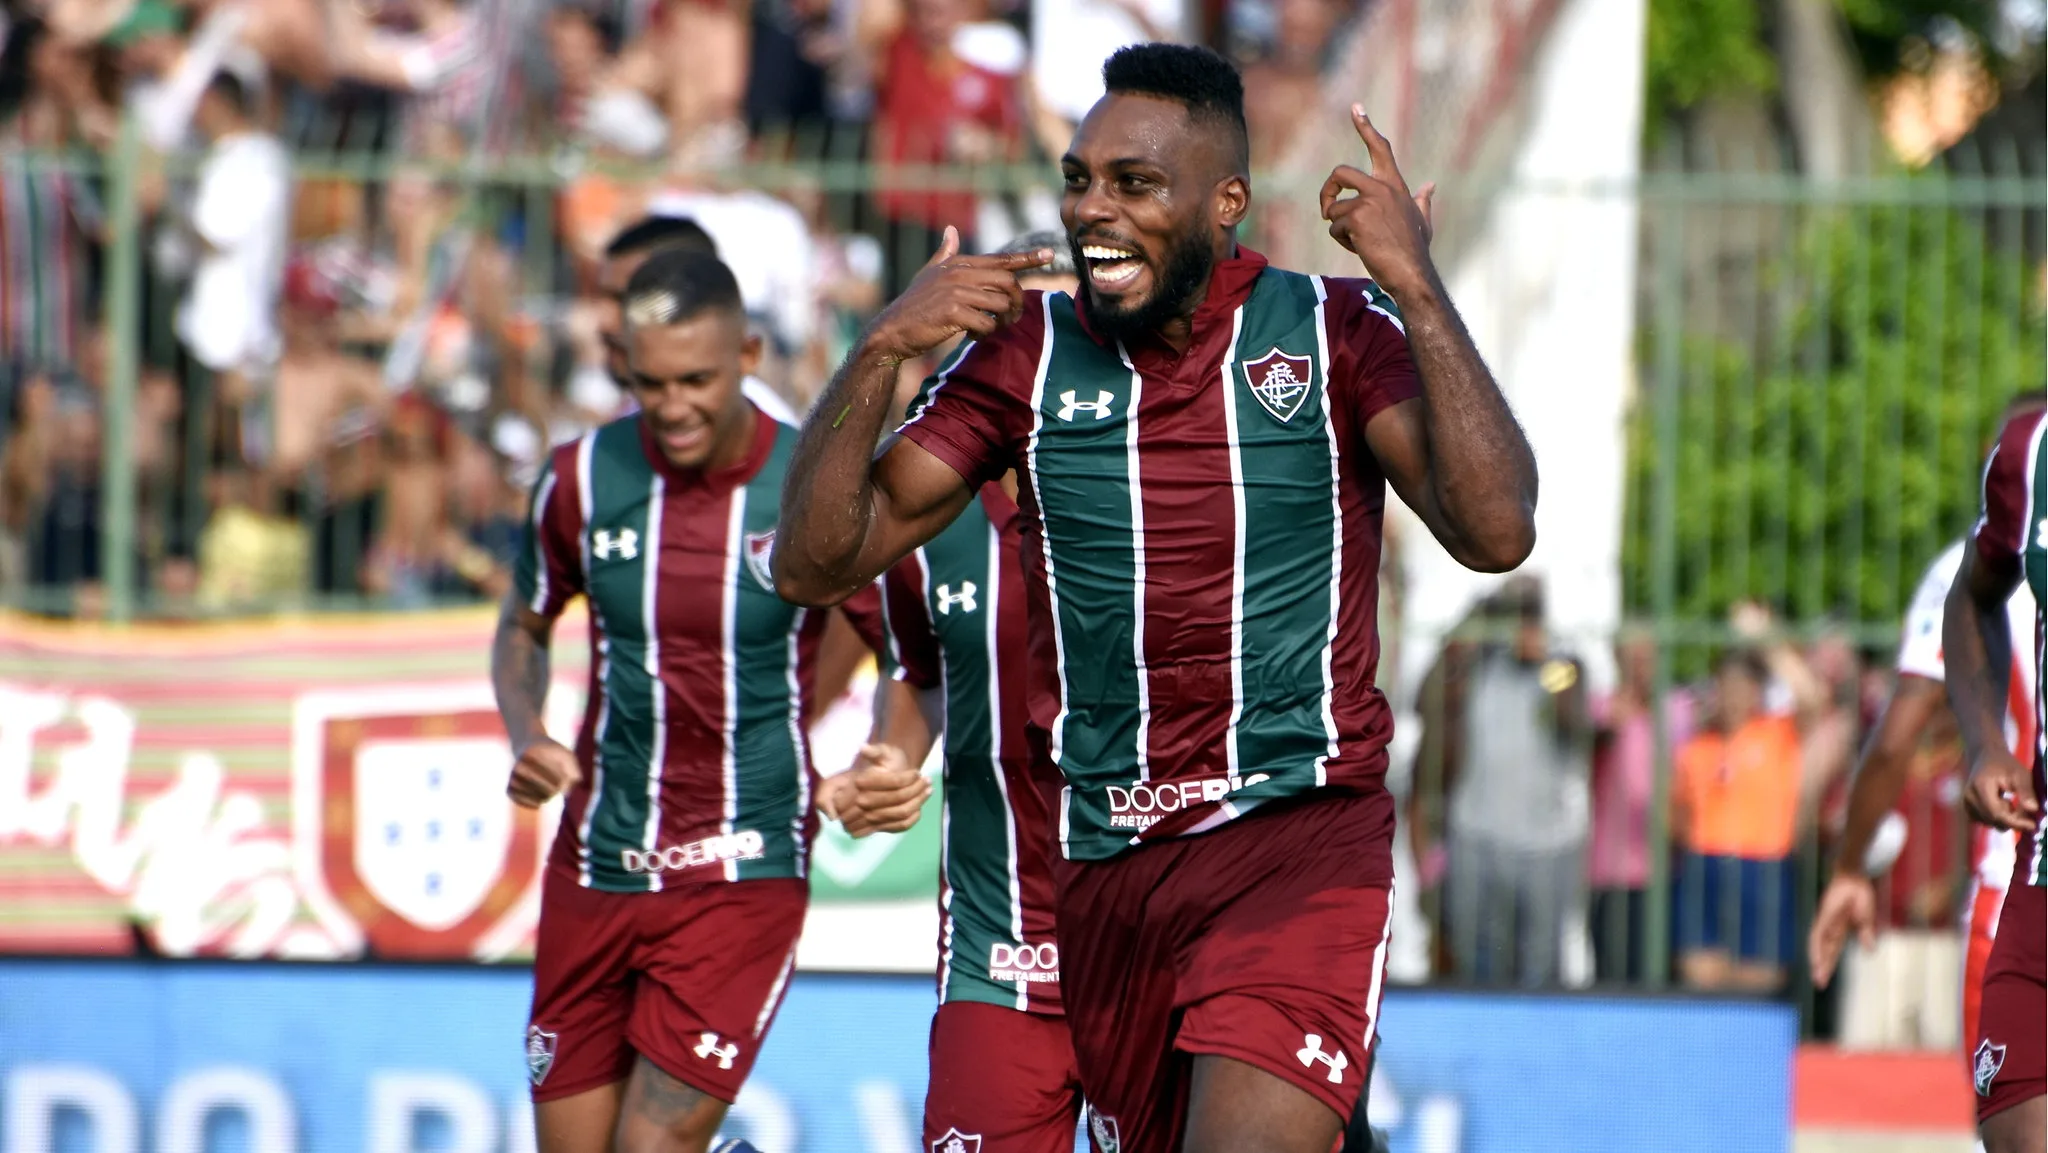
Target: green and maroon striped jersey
x=696 y=765
x=2014 y=532
x=956 y=622
x=1202 y=545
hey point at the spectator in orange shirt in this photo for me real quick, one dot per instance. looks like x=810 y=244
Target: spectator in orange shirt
x=1738 y=801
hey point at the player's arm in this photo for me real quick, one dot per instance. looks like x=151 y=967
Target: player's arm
x=1850 y=901
x=1454 y=453
x=1977 y=639
x=849 y=513
x=545 y=575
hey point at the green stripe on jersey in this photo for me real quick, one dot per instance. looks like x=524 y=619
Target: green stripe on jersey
x=1283 y=459
x=622 y=504
x=768 y=787
x=1083 y=465
x=984 y=906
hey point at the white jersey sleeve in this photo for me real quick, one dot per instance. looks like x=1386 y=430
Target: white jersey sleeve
x=1920 y=646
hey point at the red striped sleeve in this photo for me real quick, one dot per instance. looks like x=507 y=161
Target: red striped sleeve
x=2001 y=533
x=1370 y=364
x=549 y=568
x=913 y=647
x=974 y=414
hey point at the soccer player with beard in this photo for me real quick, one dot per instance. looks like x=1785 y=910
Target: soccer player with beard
x=1203 y=444
x=676 y=887
x=2009 y=546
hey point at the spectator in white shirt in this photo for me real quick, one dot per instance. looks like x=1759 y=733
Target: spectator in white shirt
x=240 y=216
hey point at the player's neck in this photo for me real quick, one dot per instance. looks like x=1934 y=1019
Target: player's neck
x=737 y=442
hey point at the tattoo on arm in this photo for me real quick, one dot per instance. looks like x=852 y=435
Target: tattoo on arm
x=1482 y=473
x=519 y=674
x=828 y=500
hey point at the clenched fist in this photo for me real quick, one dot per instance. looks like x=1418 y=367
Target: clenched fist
x=543 y=771
x=882 y=793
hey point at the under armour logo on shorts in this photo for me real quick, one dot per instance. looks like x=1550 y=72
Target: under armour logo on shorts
x=1312 y=1052
x=708 y=1048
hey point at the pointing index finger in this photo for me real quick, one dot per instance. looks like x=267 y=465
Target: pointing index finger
x=1376 y=146
x=1009 y=261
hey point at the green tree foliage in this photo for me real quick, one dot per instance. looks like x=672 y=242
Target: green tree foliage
x=1822 y=468
x=1700 y=48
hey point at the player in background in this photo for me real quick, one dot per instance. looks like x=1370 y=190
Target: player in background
x=622 y=257
x=1918 y=711
x=2009 y=545
x=676 y=887
x=1203 y=445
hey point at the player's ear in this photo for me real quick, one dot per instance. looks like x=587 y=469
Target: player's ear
x=750 y=354
x=1233 y=200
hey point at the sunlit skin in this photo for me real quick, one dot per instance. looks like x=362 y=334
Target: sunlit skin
x=686 y=378
x=1139 y=181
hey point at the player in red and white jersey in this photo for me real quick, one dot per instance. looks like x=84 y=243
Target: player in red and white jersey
x=1917 y=708
x=2009 y=546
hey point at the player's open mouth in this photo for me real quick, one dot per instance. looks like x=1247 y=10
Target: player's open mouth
x=1111 y=267
x=683 y=440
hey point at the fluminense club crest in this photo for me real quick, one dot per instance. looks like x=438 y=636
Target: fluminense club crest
x=1279 y=382
x=954 y=1141
x=760 y=552
x=1102 y=1128
x=540 y=1053
x=1989 y=1060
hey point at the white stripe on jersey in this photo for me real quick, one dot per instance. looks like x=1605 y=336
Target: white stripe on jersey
x=585 y=449
x=650 y=573
x=1058 y=737
x=735 y=543
x=540 y=552
x=924 y=595
x=992 y=614
x=1144 y=674
x=796 y=743
x=1378 y=979
x=1336 y=534
x=1236 y=447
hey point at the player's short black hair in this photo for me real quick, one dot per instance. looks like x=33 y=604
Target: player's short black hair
x=1204 y=81
x=652 y=232
x=677 y=284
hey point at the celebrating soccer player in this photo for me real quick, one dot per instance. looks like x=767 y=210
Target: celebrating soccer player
x=675 y=890
x=1203 y=444
x=2010 y=544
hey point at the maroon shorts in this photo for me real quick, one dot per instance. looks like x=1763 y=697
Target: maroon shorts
x=1264 y=941
x=1003 y=1081
x=2010 y=1060
x=688 y=977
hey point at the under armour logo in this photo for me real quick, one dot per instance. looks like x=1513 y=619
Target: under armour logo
x=948 y=598
x=606 y=544
x=708 y=1048
x=1099 y=406
x=1312 y=1052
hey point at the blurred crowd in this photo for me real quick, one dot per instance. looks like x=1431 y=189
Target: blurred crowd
x=1533 y=803
x=370 y=230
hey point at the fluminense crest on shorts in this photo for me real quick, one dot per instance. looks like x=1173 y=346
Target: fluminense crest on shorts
x=760 y=554
x=954 y=1141
x=1279 y=382
x=540 y=1053
x=1989 y=1060
x=1102 y=1127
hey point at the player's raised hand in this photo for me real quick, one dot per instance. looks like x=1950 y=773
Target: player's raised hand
x=2001 y=793
x=888 y=792
x=544 y=770
x=952 y=294
x=1850 y=903
x=1385 y=225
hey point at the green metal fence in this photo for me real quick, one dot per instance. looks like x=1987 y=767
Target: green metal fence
x=1819 y=367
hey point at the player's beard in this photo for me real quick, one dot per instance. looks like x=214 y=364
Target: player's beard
x=1188 y=264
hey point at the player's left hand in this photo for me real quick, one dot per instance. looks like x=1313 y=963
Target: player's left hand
x=2001 y=793
x=886 y=793
x=1386 y=226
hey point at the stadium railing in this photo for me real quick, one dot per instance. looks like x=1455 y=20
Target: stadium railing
x=1818 y=367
